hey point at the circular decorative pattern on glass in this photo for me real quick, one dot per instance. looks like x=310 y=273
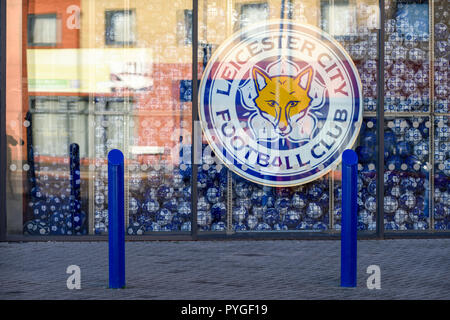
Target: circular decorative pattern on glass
x=280 y=102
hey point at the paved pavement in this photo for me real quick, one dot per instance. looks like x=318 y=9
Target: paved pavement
x=410 y=269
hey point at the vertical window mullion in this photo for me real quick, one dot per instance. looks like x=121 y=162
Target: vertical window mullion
x=380 y=126
x=3 y=146
x=194 y=229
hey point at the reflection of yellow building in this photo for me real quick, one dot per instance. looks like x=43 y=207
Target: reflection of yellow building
x=152 y=56
x=155 y=26
x=218 y=20
x=159 y=40
x=88 y=70
x=156 y=55
x=162 y=25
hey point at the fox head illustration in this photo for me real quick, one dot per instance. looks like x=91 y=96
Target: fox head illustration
x=281 y=99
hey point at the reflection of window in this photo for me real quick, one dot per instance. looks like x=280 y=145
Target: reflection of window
x=184 y=27
x=253 y=13
x=120 y=27
x=42 y=30
x=412 y=17
x=56 y=123
x=338 y=17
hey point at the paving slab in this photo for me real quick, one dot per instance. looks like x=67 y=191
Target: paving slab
x=199 y=270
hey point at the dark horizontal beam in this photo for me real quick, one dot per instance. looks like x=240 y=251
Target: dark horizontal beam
x=208 y=236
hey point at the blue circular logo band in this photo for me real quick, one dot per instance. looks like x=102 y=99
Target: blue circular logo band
x=280 y=102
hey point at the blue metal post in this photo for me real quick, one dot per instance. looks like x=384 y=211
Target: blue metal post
x=75 y=175
x=349 y=218
x=75 y=184
x=116 y=228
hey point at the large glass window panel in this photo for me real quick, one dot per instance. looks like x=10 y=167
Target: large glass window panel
x=408 y=157
x=441 y=210
x=213 y=189
x=307 y=207
x=57 y=201
x=414 y=87
x=161 y=125
x=159 y=174
x=103 y=75
x=367 y=179
x=90 y=76
x=441 y=56
x=360 y=38
x=407 y=56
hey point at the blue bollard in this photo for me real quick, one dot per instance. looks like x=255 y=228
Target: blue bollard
x=75 y=184
x=349 y=218
x=116 y=225
x=75 y=176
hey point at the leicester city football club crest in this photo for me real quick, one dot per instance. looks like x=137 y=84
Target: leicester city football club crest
x=280 y=102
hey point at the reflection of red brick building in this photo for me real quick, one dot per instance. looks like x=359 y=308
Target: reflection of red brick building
x=66 y=20
x=25 y=19
x=159 y=104
x=159 y=113
x=56 y=22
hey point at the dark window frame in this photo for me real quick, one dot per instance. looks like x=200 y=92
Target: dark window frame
x=109 y=37
x=184 y=27
x=31 y=18
x=188 y=14
x=326 y=4
x=244 y=5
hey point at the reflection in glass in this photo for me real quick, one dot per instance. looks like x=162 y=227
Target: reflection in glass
x=42 y=29
x=406 y=176
x=263 y=208
x=367 y=179
x=441 y=210
x=407 y=57
x=113 y=74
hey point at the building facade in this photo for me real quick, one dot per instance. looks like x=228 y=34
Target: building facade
x=83 y=77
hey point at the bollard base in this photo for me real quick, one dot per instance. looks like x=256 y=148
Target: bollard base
x=117 y=285
x=345 y=285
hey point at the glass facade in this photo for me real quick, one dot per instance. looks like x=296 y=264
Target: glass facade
x=84 y=77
